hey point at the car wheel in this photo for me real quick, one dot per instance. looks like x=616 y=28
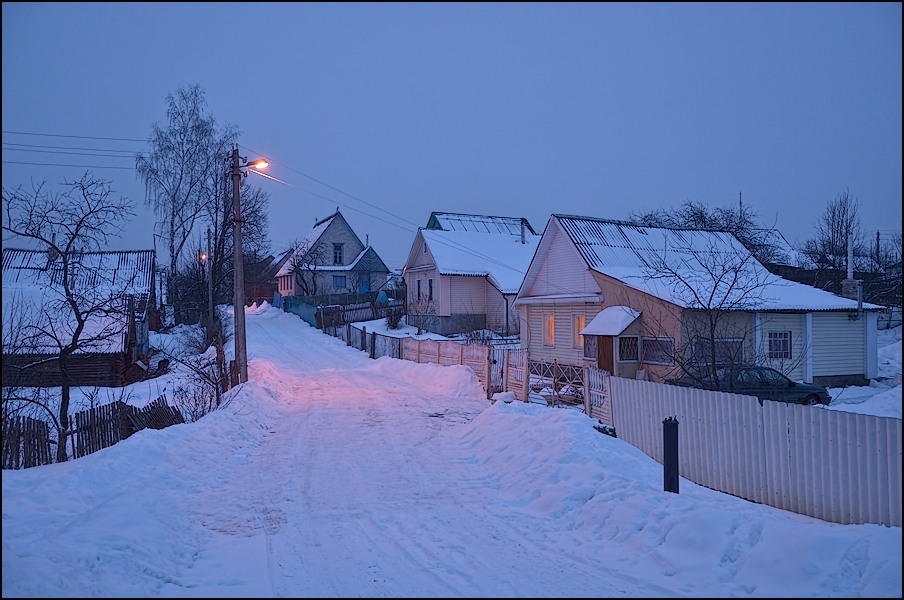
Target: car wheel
x=811 y=400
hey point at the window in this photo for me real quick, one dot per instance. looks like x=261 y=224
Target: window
x=549 y=330
x=337 y=254
x=425 y=247
x=430 y=289
x=579 y=321
x=779 y=344
x=628 y=348
x=590 y=347
x=658 y=350
x=339 y=281
x=418 y=291
x=728 y=352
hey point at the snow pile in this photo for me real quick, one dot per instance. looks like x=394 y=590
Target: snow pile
x=456 y=381
x=555 y=471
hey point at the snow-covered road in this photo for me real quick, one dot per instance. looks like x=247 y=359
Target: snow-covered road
x=330 y=474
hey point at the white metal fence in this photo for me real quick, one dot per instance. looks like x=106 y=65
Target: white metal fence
x=833 y=465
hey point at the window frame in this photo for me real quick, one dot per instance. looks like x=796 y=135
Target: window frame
x=578 y=339
x=780 y=354
x=637 y=356
x=430 y=290
x=336 y=279
x=719 y=356
x=643 y=350
x=338 y=253
x=549 y=330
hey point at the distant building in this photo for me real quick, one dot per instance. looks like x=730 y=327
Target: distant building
x=463 y=272
x=331 y=259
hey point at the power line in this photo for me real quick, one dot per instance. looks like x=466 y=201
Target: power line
x=70 y=153
x=16 y=162
x=71 y=148
x=81 y=137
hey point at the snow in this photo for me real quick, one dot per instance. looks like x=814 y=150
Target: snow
x=330 y=474
x=612 y=320
x=379 y=326
x=500 y=256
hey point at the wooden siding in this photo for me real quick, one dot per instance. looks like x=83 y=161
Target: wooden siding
x=792 y=322
x=420 y=258
x=562 y=271
x=467 y=295
x=838 y=345
x=564 y=349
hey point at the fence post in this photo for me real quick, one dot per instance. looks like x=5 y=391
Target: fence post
x=348 y=334
x=489 y=361
x=525 y=375
x=586 y=391
x=373 y=344
x=505 y=369
x=461 y=354
x=364 y=338
x=418 y=351
x=670 y=454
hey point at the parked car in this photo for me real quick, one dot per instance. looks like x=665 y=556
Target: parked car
x=762 y=382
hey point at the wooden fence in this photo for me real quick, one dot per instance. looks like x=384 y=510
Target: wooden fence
x=26 y=443
x=833 y=465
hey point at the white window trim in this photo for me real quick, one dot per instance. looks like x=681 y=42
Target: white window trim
x=790 y=344
x=671 y=360
x=618 y=349
x=577 y=339
x=549 y=332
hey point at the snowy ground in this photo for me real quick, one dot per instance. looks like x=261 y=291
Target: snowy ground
x=883 y=396
x=330 y=474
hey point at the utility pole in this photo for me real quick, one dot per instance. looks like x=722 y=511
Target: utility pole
x=210 y=318
x=241 y=354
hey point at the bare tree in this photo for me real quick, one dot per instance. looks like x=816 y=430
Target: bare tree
x=183 y=168
x=306 y=263
x=828 y=248
x=740 y=221
x=717 y=287
x=77 y=313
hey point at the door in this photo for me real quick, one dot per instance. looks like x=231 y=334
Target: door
x=605 y=358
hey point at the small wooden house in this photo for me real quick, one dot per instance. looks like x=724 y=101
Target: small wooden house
x=112 y=289
x=463 y=272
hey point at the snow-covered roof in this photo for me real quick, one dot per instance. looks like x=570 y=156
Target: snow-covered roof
x=785 y=254
x=478 y=223
x=652 y=259
x=503 y=258
x=612 y=320
x=305 y=246
x=32 y=290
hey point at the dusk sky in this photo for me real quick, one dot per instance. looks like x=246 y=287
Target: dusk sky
x=500 y=109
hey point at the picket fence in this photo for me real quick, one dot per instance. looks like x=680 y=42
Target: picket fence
x=833 y=465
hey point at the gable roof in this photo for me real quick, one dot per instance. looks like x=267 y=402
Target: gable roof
x=502 y=258
x=632 y=254
x=478 y=223
x=310 y=240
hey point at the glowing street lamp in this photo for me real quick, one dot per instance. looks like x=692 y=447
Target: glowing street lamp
x=241 y=353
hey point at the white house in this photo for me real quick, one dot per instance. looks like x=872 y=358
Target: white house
x=632 y=298
x=463 y=272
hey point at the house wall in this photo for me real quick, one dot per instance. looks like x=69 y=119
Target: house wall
x=496 y=311
x=729 y=326
x=467 y=295
x=103 y=370
x=838 y=349
x=563 y=271
x=338 y=232
x=792 y=322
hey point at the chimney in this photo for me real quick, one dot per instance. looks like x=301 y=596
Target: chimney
x=522 y=230
x=850 y=256
x=850 y=287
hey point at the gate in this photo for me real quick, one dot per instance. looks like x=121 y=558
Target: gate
x=600 y=402
x=516 y=376
x=497 y=370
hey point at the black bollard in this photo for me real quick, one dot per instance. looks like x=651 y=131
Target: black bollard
x=670 y=454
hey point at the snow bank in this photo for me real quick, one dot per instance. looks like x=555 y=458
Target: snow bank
x=453 y=380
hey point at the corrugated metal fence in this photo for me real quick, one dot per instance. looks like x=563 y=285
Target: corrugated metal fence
x=836 y=466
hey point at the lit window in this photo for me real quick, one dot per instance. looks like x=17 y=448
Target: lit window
x=779 y=344
x=549 y=330
x=578 y=326
x=337 y=254
x=628 y=348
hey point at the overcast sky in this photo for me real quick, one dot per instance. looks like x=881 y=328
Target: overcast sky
x=500 y=109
